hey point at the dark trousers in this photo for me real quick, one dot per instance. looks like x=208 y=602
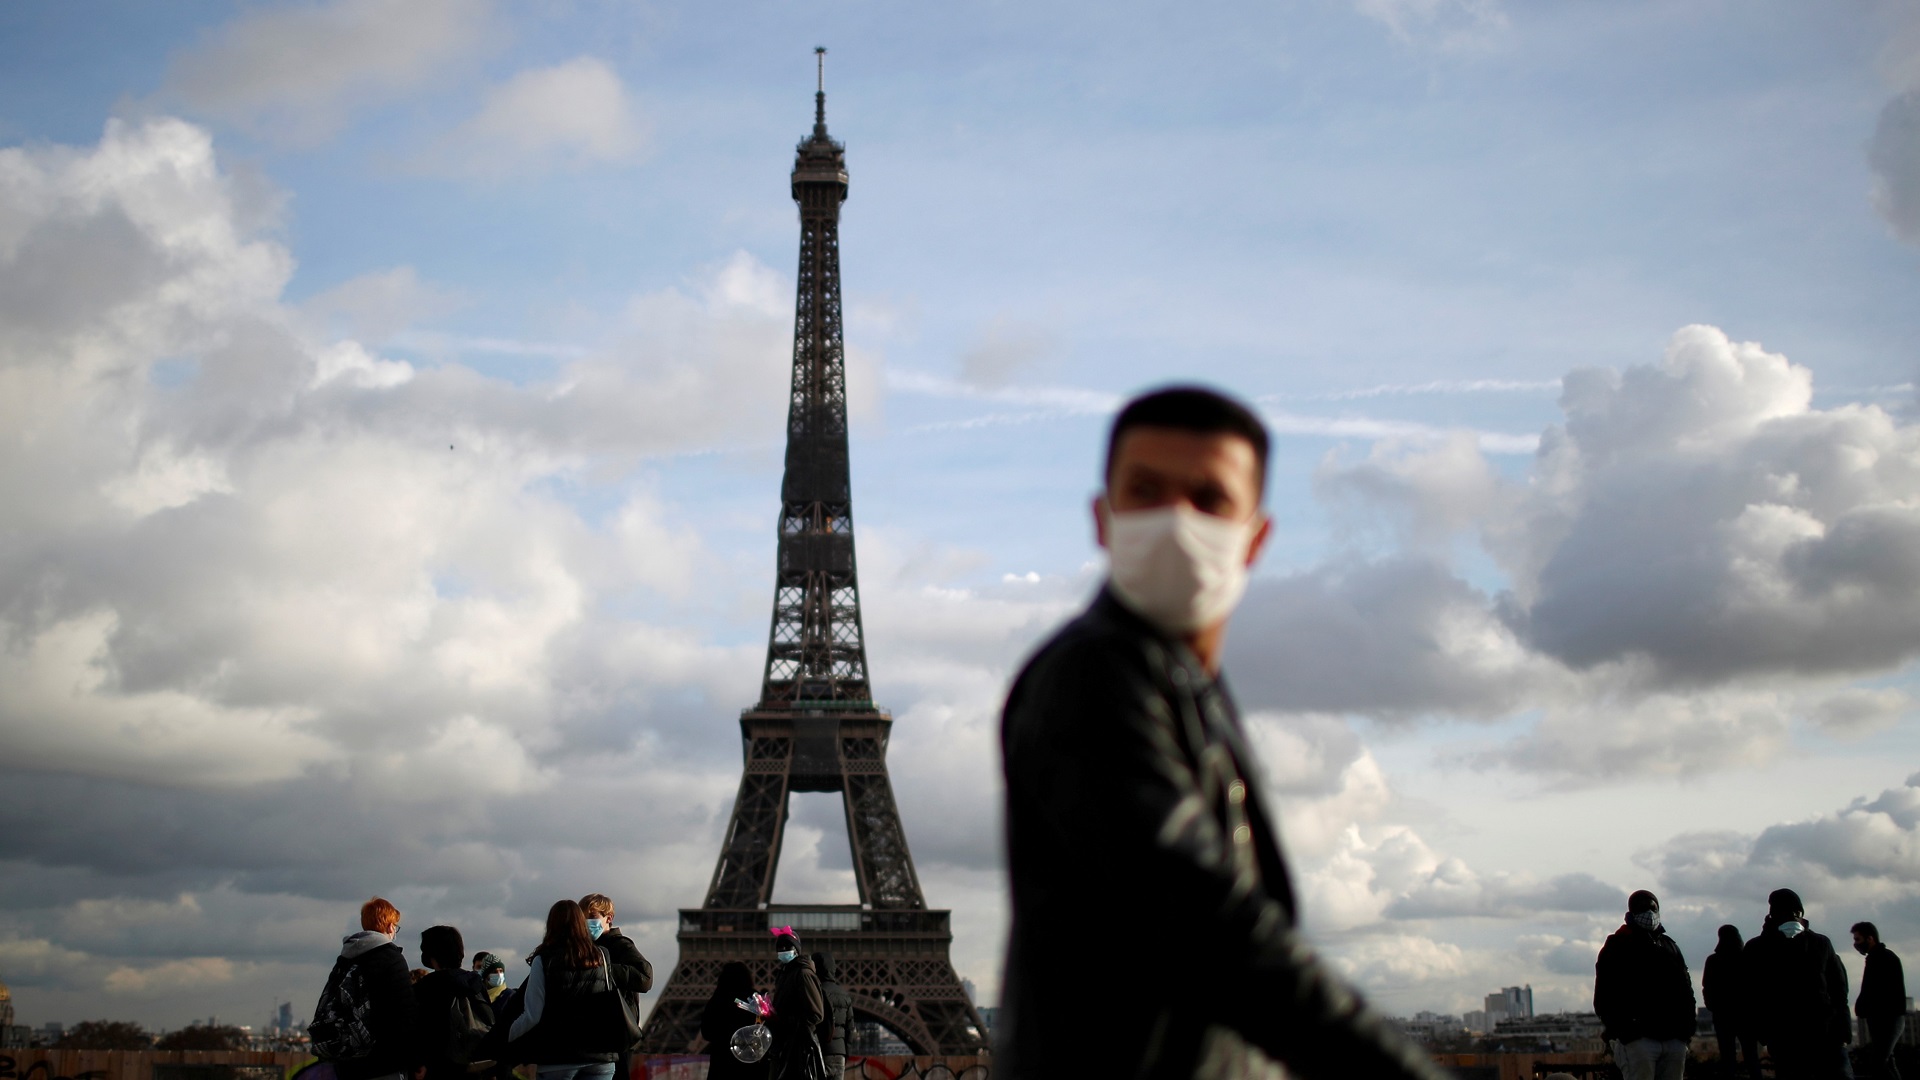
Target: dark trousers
x=1749 y=1055
x=1876 y=1056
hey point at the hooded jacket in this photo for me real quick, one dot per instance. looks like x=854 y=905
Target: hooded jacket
x=839 y=1008
x=1641 y=988
x=1134 y=835
x=391 y=1012
x=1797 y=988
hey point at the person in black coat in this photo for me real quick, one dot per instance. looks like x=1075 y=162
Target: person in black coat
x=448 y=998
x=1798 y=990
x=837 y=1027
x=388 y=986
x=1723 y=983
x=721 y=1018
x=1644 y=995
x=798 y=1008
x=598 y=908
x=1882 y=1004
x=574 y=1036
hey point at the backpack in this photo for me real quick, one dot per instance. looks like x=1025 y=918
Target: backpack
x=339 y=1028
x=468 y=1021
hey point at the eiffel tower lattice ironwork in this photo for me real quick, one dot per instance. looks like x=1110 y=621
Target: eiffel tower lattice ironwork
x=816 y=727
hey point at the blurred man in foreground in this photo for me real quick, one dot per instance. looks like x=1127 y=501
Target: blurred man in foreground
x=1153 y=922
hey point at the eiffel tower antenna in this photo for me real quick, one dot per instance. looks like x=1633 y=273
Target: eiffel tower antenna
x=816 y=727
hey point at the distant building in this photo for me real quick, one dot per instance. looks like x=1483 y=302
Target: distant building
x=1477 y=1022
x=1554 y=1031
x=987 y=1014
x=1429 y=1028
x=1512 y=1003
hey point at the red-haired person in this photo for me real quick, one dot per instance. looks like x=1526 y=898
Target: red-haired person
x=567 y=1024
x=364 y=1023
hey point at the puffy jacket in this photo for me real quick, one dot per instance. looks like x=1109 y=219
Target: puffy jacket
x=1798 y=990
x=555 y=1016
x=390 y=1017
x=1641 y=988
x=1135 y=839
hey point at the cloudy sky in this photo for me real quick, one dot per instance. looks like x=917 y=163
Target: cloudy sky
x=390 y=409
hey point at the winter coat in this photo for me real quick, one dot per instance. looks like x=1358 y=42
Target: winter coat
x=554 y=1013
x=433 y=997
x=718 y=1021
x=1134 y=830
x=1797 y=988
x=798 y=1009
x=1641 y=988
x=1883 y=986
x=833 y=1029
x=1723 y=984
x=623 y=951
x=391 y=1012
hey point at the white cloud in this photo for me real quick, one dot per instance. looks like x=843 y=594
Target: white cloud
x=1445 y=24
x=296 y=72
x=573 y=115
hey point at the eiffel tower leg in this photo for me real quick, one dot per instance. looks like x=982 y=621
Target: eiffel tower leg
x=881 y=861
x=750 y=854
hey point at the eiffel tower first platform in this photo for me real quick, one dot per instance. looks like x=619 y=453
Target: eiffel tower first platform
x=816 y=727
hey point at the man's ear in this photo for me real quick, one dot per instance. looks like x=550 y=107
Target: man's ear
x=1101 y=508
x=1260 y=537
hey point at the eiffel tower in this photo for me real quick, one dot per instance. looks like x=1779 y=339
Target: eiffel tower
x=816 y=727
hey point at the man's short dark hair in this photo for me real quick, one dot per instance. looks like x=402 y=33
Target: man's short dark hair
x=1196 y=409
x=1867 y=929
x=442 y=945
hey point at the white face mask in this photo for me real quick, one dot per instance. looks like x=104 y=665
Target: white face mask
x=1791 y=928
x=1176 y=567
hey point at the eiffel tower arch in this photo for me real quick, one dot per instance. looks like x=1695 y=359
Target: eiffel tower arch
x=816 y=727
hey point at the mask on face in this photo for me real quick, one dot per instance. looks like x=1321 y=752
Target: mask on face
x=1178 y=568
x=1791 y=928
x=596 y=927
x=785 y=956
x=496 y=978
x=1862 y=949
x=1645 y=920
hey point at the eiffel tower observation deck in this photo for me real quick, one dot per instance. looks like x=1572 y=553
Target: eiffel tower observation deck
x=816 y=727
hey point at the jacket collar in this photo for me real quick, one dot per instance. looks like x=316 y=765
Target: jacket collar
x=1107 y=606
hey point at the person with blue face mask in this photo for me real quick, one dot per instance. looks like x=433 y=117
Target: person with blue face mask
x=599 y=911
x=798 y=1008
x=493 y=971
x=1798 y=993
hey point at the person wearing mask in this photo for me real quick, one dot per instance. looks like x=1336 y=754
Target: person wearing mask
x=573 y=1035
x=836 y=1028
x=599 y=911
x=1131 y=812
x=1882 y=1005
x=1644 y=995
x=798 y=1008
x=1798 y=992
x=452 y=1007
x=367 y=1008
x=1724 y=985
x=493 y=971
x=722 y=1017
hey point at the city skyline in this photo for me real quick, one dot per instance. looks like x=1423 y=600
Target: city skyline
x=393 y=399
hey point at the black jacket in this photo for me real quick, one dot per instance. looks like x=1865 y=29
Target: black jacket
x=833 y=1029
x=569 y=1026
x=1135 y=838
x=1641 y=988
x=1723 y=985
x=433 y=997
x=1883 y=985
x=1798 y=990
x=390 y=1017
x=622 y=950
x=798 y=1006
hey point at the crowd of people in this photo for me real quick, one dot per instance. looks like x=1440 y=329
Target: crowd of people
x=1785 y=989
x=574 y=1017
